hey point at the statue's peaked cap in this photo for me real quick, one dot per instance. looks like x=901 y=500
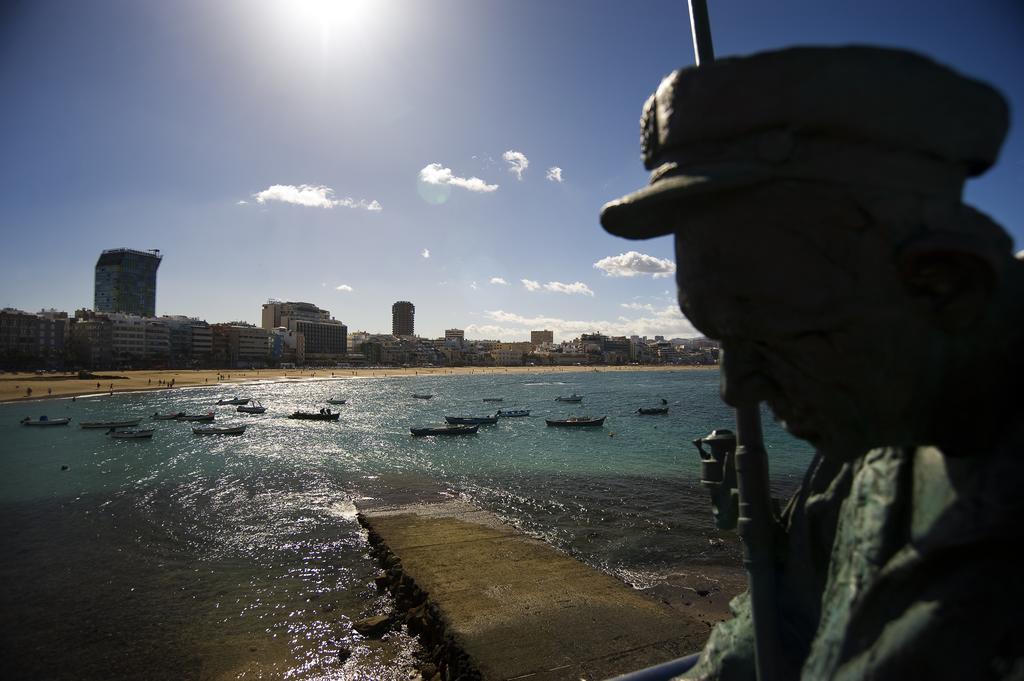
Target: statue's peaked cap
x=858 y=115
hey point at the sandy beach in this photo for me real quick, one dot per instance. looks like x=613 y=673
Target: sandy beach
x=29 y=386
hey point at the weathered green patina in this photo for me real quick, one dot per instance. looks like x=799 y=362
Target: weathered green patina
x=815 y=199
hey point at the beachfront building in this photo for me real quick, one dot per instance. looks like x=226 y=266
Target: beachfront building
x=157 y=352
x=191 y=341
x=32 y=340
x=91 y=342
x=126 y=281
x=128 y=340
x=325 y=338
x=240 y=345
x=287 y=347
x=457 y=336
x=544 y=337
x=403 y=314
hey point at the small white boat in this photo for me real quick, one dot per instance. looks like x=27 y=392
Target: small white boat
x=471 y=420
x=336 y=400
x=126 y=423
x=218 y=430
x=131 y=434
x=512 y=413
x=208 y=416
x=167 y=417
x=444 y=430
x=571 y=398
x=577 y=422
x=254 y=408
x=234 y=400
x=45 y=421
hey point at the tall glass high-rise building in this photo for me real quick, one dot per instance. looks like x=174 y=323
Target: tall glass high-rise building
x=126 y=281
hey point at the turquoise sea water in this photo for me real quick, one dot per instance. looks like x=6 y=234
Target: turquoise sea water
x=240 y=557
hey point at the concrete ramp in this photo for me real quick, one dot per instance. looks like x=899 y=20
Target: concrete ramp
x=489 y=602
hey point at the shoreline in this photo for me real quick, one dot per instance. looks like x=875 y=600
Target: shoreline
x=14 y=386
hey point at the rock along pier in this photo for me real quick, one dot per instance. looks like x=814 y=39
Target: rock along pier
x=488 y=602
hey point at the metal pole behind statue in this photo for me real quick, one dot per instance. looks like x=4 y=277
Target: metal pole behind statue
x=756 y=516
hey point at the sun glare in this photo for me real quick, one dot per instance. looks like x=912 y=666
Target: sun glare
x=344 y=15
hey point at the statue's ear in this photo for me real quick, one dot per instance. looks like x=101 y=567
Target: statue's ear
x=951 y=275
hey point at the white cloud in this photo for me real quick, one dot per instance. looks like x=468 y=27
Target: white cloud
x=242 y=203
x=646 y=307
x=499 y=281
x=425 y=253
x=667 y=321
x=473 y=285
x=435 y=173
x=343 y=287
x=632 y=264
x=554 y=174
x=311 y=196
x=575 y=288
x=517 y=162
x=530 y=284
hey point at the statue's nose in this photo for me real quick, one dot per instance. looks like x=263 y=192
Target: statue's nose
x=743 y=377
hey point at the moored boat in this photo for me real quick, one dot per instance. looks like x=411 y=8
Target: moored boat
x=234 y=400
x=494 y=399
x=571 y=398
x=323 y=415
x=471 y=420
x=652 y=410
x=577 y=422
x=208 y=416
x=167 y=417
x=45 y=421
x=126 y=423
x=422 y=396
x=336 y=400
x=131 y=434
x=444 y=430
x=254 y=408
x=218 y=430
x=512 y=413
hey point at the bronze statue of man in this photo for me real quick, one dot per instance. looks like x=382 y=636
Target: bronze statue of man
x=815 y=198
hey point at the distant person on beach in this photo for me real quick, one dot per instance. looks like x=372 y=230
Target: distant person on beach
x=815 y=199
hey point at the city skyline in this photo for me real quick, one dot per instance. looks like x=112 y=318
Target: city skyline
x=353 y=154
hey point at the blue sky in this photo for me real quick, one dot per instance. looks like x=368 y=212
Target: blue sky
x=146 y=124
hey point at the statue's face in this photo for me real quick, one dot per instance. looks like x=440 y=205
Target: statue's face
x=813 y=319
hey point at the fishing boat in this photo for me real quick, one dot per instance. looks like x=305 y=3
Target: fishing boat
x=494 y=399
x=512 y=413
x=421 y=396
x=254 y=408
x=325 y=415
x=218 y=430
x=234 y=400
x=571 y=398
x=131 y=434
x=45 y=421
x=167 y=417
x=471 y=420
x=577 y=422
x=444 y=430
x=335 y=400
x=208 y=416
x=652 y=410
x=126 y=423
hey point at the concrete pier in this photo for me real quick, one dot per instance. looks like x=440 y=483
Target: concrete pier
x=489 y=602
